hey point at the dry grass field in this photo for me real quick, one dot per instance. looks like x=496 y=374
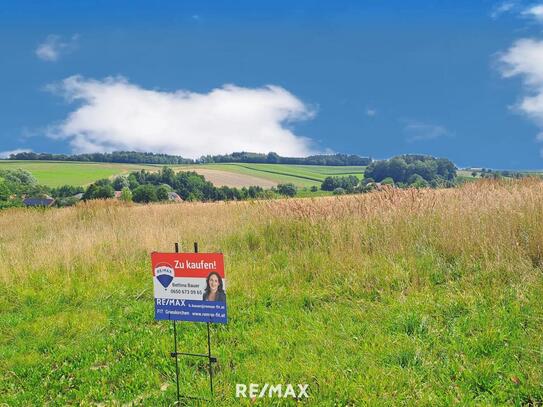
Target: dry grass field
x=415 y=297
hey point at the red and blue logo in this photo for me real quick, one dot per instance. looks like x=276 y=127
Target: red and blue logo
x=164 y=274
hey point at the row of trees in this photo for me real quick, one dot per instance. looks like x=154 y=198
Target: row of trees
x=496 y=174
x=274 y=158
x=145 y=186
x=340 y=185
x=114 y=157
x=138 y=186
x=153 y=158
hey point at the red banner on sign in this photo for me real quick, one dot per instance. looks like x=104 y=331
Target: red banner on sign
x=190 y=264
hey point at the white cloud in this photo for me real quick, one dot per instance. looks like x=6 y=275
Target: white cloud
x=535 y=12
x=6 y=154
x=418 y=131
x=371 y=112
x=51 y=49
x=117 y=115
x=502 y=8
x=525 y=60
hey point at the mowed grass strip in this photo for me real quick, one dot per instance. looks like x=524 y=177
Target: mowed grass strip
x=413 y=297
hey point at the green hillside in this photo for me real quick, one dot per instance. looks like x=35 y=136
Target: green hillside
x=56 y=173
x=300 y=175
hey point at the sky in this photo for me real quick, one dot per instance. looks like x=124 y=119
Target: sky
x=458 y=79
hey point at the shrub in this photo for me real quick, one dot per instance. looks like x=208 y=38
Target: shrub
x=387 y=181
x=126 y=195
x=145 y=194
x=4 y=191
x=162 y=193
x=120 y=183
x=287 y=189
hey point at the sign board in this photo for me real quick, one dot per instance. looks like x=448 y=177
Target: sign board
x=189 y=287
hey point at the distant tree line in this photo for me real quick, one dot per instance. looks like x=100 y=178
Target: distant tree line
x=496 y=174
x=154 y=158
x=114 y=157
x=274 y=158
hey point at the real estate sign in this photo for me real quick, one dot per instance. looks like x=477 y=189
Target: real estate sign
x=189 y=287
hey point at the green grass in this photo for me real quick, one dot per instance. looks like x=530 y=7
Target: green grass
x=57 y=173
x=395 y=298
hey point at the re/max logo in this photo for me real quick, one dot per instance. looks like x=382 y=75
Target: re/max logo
x=254 y=390
x=170 y=301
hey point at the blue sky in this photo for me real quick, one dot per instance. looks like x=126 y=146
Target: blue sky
x=458 y=79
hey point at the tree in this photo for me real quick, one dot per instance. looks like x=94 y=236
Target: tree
x=329 y=184
x=397 y=169
x=104 y=182
x=273 y=158
x=104 y=192
x=126 y=195
x=95 y=191
x=387 y=181
x=287 y=189
x=121 y=182
x=313 y=188
x=162 y=193
x=339 y=191
x=66 y=191
x=133 y=182
x=144 y=194
x=416 y=181
x=167 y=176
x=5 y=192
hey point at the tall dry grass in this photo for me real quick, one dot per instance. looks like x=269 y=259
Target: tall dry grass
x=482 y=221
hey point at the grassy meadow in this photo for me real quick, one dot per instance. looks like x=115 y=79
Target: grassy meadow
x=397 y=297
x=57 y=173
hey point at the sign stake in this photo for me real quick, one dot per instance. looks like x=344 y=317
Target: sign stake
x=175 y=344
x=208 y=344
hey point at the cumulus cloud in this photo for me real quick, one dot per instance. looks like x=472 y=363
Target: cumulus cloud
x=418 y=131
x=502 y=8
x=113 y=114
x=6 y=154
x=54 y=46
x=524 y=59
x=535 y=12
